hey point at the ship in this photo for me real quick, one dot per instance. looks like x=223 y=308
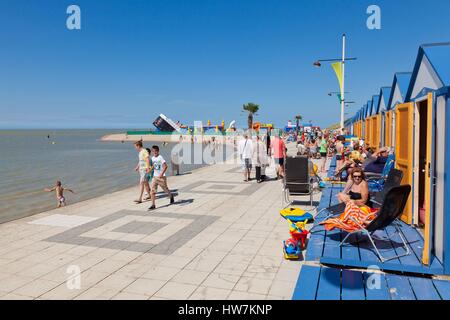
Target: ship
x=165 y=124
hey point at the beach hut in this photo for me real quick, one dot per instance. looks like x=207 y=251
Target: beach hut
x=401 y=121
x=366 y=126
x=397 y=98
x=361 y=122
x=368 y=121
x=386 y=117
x=358 y=128
x=348 y=125
x=375 y=124
x=428 y=97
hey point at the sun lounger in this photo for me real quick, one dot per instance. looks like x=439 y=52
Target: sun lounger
x=392 y=208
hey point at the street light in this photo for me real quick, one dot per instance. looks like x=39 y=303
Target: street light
x=343 y=60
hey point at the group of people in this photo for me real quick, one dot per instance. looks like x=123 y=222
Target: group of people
x=353 y=161
x=259 y=152
x=152 y=173
x=317 y=145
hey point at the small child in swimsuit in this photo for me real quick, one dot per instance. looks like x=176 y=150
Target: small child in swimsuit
x=59 y=190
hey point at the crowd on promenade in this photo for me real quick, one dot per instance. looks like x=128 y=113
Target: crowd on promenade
x=353 y=160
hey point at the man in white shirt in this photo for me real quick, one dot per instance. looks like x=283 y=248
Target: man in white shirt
x=245 y=149
x=159 y=166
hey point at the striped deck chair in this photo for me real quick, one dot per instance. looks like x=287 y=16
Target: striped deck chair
x=356 y=221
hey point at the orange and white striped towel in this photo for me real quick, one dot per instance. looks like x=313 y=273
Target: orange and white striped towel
x=360 y=214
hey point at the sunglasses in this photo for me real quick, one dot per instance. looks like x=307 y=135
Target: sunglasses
x=356 y=177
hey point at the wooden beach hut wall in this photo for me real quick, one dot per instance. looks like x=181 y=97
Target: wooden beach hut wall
x=356 y=125
x=363 y=122
x=368 y=138
x=386 y=117
x=367 y=130
x=402 y=118
x=428 y=97
x=370 y=117
x=375 y=124
x=359 y=125
x=367 y=122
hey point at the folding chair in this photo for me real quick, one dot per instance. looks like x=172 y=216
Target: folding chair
x=394 y=203
x=394 y=179
x=376 y=181
x=297 y=180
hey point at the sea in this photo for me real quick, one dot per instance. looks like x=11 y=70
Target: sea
x=31 y=160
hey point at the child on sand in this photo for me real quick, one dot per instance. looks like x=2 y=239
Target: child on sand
x=59 y=190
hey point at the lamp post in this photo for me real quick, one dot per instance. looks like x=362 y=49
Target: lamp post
x=343 y=60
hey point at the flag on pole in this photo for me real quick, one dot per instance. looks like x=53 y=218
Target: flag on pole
x=337 y=66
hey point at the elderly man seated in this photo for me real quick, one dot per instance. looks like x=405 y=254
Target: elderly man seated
x=377 y=160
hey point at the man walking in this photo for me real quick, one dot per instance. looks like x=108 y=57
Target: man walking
x=245 y=149
x=159 y=176
x=279 y=153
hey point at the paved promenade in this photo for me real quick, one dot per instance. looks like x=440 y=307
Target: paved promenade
x=222 y=239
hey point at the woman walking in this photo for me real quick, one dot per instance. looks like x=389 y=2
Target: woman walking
x=323 y=149
x=260 y=159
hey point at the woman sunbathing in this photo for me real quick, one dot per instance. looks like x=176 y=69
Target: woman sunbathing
x=356 y=188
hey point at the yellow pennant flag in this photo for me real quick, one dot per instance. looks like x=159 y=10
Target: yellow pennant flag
x=337 y=66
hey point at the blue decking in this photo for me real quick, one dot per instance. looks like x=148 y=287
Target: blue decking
x=323 y=246
x=322 y=283
x=328 y=278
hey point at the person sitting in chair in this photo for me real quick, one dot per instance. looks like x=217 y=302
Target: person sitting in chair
x=356 y=189
x=378 y=161
x=351 y=160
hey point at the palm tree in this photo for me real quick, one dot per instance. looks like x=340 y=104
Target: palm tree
x=298 y=118
x=251 y=108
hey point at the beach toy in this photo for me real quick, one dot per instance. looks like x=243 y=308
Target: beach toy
x=291 y=250
x=296 y=215
x=298 y=232
x=297 y=226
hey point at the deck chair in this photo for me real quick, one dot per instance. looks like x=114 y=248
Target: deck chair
x=394 y=203
x=376 y=198
x=376 y=180
x=394 y=179
x=297 y=180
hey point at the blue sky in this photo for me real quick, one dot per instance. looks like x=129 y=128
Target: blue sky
x=199 y=59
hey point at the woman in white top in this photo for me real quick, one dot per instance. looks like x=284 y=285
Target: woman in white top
x=259 y=158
